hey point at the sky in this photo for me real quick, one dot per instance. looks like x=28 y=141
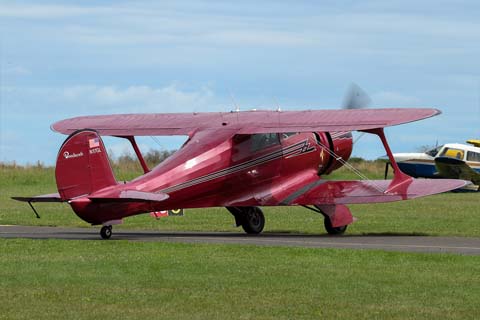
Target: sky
x=62 y=59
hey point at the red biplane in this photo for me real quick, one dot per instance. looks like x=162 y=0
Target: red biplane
x=236 y=160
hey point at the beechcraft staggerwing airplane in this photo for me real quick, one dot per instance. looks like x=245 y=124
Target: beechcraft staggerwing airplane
x=237 y=160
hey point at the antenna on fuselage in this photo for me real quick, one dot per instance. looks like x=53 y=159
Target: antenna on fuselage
x=278 y=105
x=237 y=108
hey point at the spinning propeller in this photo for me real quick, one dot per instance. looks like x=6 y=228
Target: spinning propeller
x=356 y=98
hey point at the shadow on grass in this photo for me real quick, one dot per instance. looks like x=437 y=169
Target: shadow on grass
x=269 y=234
x=93 y=233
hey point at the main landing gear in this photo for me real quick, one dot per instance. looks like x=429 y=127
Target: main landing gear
x=327 y=219
x=333 y=230
x=251 y=219
x=106 y=232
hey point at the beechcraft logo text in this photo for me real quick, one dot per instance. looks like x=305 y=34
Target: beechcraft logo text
x=68 y=155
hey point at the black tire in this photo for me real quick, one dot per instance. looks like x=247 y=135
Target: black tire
x=106 y=232
x=333 y=230
x=253 y=220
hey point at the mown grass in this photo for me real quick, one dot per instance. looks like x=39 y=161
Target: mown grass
x=454 y=214
x=58 y=279
x=62 y=279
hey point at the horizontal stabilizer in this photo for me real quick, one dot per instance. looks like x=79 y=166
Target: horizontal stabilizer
x=372 y=191
x=475 y=143
x=130 y=196
x=52 y=197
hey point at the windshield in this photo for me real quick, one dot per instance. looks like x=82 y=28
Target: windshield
x=452 y=153
x=434 y=151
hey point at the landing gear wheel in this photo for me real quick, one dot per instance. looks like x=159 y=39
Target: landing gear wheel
x=106 y=232
x=333 y=230
x=253 y=220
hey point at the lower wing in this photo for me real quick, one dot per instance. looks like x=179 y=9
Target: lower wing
x=370 y=191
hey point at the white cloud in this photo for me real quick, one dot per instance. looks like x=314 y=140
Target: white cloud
x=31 y=111
x=201 y=25
x=15 y=71
x=257 y=38
x=55 y=103
x=141 y=98
x=47 y=11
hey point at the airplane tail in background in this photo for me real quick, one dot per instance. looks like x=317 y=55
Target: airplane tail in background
x=82 y=165
x=475 y=143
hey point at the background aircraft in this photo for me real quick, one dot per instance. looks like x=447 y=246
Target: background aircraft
x=452 y=160
x=237 y=160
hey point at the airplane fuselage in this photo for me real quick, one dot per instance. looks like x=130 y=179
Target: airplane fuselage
x=422 y=165
x=217 y=169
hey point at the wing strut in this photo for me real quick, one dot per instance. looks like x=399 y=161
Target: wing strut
x=399 y=178
x=138 y=153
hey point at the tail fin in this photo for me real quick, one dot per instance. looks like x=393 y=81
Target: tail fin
x=82 y=165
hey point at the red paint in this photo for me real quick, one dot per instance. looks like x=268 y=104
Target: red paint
x=159 y=214
x=81 y=170
x=339 y=214
x=246 y=122
x=401 y=181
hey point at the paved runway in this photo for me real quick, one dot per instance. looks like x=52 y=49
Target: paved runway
x=407 y=243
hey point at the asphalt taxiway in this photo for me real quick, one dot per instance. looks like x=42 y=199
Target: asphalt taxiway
x=402 y=242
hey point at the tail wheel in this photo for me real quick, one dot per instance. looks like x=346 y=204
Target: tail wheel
x=333 y=230
x=106 y=232
x=253 y=220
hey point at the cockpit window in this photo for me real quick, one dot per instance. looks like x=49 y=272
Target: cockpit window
x=473 y=156
x=453 y=153
x=264 y=140
x=287 y=135
x=434 y=151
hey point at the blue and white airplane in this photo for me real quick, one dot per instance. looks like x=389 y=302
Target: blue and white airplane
x=452 y=160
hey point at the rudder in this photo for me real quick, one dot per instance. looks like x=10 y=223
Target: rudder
x=82 y=165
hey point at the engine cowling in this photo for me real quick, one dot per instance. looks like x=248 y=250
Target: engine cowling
x=339 y=144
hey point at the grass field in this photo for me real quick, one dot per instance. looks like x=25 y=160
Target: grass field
x=55 y=279
x=60 y=279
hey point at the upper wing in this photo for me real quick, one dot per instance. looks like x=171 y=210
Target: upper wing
x=247 y=122
x=456 y=169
